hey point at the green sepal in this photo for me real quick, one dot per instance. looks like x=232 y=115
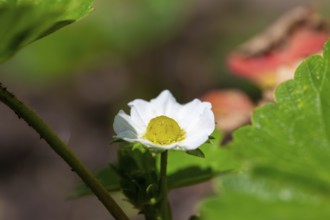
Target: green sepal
x=152 y=192
x=117 y=140
x=197 y=152
x=138 y=175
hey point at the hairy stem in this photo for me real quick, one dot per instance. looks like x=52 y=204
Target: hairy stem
x=33 y=120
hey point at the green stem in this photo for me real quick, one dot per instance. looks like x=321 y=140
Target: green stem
x=164 y=205
x=33 y=120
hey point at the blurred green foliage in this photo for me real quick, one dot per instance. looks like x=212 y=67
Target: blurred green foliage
x=22 y=22
x=117 y=29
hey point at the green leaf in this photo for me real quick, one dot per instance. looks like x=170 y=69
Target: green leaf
x=184 y=170
x=22 y=22
x=287 y=150
x=197 y=153
x=248 y=198
x=292 y=136
x=191 y=175
x=107 y=177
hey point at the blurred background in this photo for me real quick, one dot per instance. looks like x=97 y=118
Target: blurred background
x=78 y=78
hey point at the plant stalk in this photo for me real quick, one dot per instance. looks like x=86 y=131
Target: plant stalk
x=34 y=121
x=164 y=205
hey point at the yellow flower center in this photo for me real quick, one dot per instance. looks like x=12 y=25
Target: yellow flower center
x=163 y=130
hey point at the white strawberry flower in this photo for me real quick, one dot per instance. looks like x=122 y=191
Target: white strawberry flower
x=165 y=124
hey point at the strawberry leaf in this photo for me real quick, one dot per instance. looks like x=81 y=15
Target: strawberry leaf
x=23 y=22
x=287 y=152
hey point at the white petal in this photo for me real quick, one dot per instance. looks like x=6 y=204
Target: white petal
x=205 y=122
x=164 y=104
x=140 y=115
x=124 y=127
x=190 y=113
x=197 y=119
x=193 y=142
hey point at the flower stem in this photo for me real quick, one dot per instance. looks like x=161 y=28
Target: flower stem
x=164 y=205
x=34 y=121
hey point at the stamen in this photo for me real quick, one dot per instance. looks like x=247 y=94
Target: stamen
x=163 y=130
